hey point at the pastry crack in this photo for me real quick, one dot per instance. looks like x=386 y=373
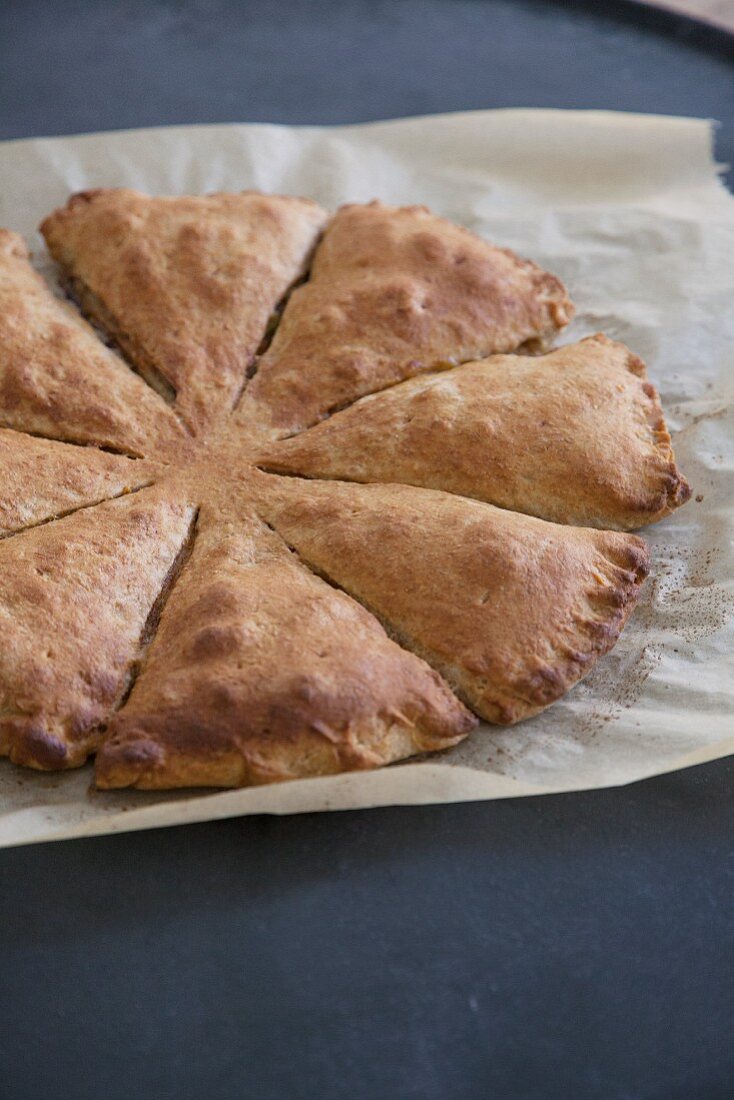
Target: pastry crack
x=31 y=526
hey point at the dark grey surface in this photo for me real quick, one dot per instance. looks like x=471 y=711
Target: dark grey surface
x=71 y=65
x=575 y=946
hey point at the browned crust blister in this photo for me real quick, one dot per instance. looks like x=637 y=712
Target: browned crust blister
x=200 y=621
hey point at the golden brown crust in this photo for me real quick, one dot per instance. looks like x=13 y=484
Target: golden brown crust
x=511 y=610
x=394 y=292
x=186 y=285
x=75 y=596
x=575 y=436
x=42 y=480
x=58 y=380
x=262 y=672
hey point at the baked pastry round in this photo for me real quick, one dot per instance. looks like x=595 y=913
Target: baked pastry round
x=322 y=502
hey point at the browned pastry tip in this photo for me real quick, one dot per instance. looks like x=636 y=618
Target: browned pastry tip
x=260 y=672
x=58 y=380
x=395 y=292
x=184 y=285
x=75 y=597
x=575 y=436
x=42 y=479
x=511 y=610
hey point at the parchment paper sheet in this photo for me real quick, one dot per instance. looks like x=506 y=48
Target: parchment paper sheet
x=630 y=212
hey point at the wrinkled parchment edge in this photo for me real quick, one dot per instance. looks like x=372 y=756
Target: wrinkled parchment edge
x=391 y=786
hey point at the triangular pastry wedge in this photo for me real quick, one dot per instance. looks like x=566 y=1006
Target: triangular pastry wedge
x=575 y=436
x=185 y=286
x=76 y=599
x=42 y=480
x=56 y=377
x=260 y=671
x=394 y=292
x=511 y=610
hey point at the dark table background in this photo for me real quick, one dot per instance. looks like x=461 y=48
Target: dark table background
x=572 y=946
